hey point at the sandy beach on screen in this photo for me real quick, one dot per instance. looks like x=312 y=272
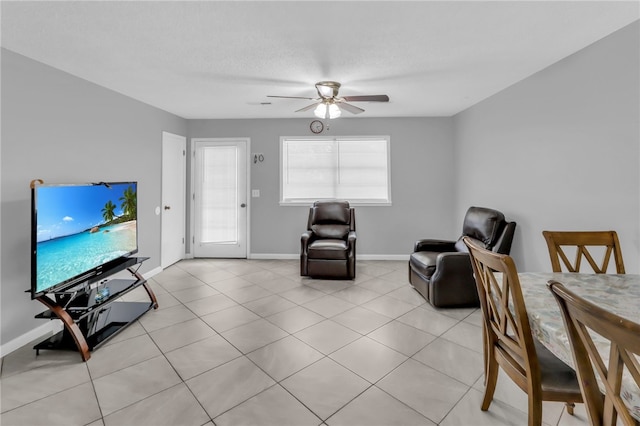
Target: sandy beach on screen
x=131 y=225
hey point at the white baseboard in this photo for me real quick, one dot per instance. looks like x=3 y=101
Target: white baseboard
x=151 y=273
x=268 y=256
x=383 y=257
x=42 y=331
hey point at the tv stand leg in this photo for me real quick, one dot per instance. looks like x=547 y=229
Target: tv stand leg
x=70 y=325
x=146 y=286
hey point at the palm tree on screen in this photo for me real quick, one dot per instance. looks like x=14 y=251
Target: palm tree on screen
x=108 y=211
x=128 y=205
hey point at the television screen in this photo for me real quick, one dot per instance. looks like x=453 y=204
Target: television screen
x=77 y=229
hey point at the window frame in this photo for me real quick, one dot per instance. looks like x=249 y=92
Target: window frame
x=355 y=202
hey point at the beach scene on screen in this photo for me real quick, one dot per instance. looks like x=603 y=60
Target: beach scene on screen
x=82 y=227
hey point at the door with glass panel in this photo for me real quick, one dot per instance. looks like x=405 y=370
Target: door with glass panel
x=220 y=198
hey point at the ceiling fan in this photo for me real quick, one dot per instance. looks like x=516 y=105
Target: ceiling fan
x=328 y=105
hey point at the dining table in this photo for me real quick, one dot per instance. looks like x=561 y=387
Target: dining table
x=617 y=293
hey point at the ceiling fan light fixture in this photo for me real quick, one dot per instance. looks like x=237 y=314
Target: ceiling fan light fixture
x=320 y=111
x=334 y=111
x=327 y=110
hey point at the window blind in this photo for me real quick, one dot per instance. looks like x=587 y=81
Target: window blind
x=353 y=169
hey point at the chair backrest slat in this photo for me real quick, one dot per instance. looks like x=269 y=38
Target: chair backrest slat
x=504 y=311
x=584 y=242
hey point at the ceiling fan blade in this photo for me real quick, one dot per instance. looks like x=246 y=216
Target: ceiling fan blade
x=351 y=108
x=367 y=98
x=290 y=97
x=308 y=107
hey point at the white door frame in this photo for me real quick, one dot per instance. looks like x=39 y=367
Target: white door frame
x=182 y=207
x=192 y=195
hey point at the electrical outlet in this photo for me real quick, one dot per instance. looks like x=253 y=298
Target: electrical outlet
x=255 y=193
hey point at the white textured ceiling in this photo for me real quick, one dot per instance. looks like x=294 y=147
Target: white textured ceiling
x=214 y=59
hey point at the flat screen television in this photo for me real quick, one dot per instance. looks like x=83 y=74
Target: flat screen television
x=77 y=231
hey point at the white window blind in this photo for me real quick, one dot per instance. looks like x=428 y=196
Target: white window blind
x=348 y=168
x=218 y=198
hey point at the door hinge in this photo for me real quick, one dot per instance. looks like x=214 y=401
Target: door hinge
x=184 y=153
x=183 y=240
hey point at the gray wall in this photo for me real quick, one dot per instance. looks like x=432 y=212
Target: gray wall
x=560 y=150
x=62 y=129
x=421 y=182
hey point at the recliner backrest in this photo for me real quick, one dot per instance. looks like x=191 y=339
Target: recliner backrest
x=503 y=244
x=331 y=219
x=488 y=228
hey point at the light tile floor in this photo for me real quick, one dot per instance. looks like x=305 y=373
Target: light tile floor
x=250 y=342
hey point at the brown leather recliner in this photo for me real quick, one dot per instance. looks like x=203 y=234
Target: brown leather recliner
x=328 y=247
x=441 y=270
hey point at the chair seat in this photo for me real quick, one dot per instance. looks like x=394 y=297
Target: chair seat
x=328 y=249
x=424 y=262
x=555 y=375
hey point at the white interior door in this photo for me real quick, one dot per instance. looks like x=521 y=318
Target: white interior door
x=220 y=198
x=173 y=199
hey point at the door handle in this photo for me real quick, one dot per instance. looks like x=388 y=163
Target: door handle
x=167 y=207
x=243 y=205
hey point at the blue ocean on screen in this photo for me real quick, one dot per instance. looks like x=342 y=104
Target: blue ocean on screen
x=66 y=257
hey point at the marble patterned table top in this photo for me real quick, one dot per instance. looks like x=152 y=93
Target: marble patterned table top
x=619 y=294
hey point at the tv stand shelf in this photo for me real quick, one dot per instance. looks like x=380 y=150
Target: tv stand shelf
x=88 y=322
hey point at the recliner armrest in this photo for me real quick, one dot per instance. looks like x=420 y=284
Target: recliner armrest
x=306 y=239
x=351 y=241
x=452 y=264
x=434 y=245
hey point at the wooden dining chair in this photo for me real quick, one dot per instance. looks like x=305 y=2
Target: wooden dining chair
x=508 y=342
x=582 y=317
x=585 y=243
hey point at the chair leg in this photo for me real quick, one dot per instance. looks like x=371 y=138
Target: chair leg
x=535 y=409
x=490 y=379
x=570 y=406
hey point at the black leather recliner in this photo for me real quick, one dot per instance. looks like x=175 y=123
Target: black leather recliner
x=441 y=270
x=328 y=247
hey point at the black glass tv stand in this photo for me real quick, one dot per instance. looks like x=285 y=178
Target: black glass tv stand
x=91 y=312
